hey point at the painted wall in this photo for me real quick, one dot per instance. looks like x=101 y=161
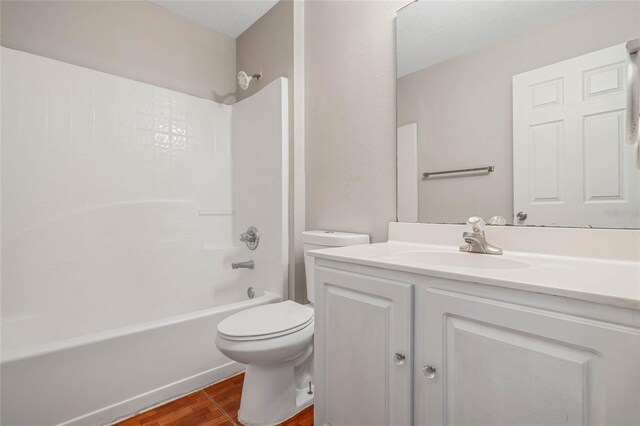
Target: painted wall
x=463 y=108
x=268 y=47
x=351 y=116
x=133 y=39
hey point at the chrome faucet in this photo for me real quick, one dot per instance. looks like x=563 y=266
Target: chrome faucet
x=475 y=239
x=242 y=265
x=251 y=238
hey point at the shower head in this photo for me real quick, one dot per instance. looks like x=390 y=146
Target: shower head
x=244 y=80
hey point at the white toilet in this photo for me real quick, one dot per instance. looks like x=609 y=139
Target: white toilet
x=276 y=343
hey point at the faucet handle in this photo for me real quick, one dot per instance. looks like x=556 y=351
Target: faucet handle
x=248 y=237
x=497 y=220
x=251 y=238
x=476 y=223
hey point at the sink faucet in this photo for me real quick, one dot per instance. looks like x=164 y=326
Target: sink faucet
x=475 y=239
x=242 y=265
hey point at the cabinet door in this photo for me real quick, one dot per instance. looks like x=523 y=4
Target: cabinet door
x=504 y=364
x=361 y=322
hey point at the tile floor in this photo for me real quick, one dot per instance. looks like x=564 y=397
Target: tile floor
x=215 y=405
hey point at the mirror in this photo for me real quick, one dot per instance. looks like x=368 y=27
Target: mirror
x=518 y=109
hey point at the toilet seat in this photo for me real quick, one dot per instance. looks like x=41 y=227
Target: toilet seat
x=266 y=322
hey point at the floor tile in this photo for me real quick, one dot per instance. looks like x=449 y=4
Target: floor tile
x=191 y=410
x=215 y=405
x=227 y=395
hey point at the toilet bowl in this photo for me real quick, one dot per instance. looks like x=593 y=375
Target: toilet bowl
x=275 y=341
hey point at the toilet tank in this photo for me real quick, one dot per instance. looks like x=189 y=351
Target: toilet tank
x=315 y=240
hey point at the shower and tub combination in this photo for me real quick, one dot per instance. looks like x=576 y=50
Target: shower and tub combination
x=122 y=208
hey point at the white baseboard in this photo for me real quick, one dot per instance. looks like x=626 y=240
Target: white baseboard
x=159 y=396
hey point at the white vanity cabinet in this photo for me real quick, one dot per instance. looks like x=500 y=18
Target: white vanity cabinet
x=363 y=350
x=503 y=363
x=492 y=355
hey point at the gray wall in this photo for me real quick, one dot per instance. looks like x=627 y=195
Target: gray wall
x=133 y=39
x=463 y=107
x=350 y=116
x=267 y=47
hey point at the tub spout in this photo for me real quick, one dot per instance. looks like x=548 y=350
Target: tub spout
x=242 y=265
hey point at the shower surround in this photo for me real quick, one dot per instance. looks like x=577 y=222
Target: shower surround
x=121 y=207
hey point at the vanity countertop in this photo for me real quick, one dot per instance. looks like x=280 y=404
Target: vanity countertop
x=611 y=282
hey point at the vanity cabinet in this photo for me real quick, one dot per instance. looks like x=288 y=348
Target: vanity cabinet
x=499 y=363
x=363 y=350
x=481 y=354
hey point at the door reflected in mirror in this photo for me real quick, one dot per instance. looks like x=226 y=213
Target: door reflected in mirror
x=519 y=109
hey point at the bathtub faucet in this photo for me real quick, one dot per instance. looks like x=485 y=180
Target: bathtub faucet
x=242 y=265
x=251 y=238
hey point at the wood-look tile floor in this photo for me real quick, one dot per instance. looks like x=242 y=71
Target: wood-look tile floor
x=215 y=405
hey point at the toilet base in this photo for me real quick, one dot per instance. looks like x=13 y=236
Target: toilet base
x=272 y=394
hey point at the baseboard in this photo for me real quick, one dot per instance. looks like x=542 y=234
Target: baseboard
x=129 y=407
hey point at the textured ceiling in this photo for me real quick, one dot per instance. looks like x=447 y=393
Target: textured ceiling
x=229 y=17
x=431 y=31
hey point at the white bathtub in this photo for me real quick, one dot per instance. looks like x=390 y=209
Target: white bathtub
x=116 y=265
x=101 y=377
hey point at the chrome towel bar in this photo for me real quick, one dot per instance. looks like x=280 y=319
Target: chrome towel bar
x=215 y=212
x=487 y=169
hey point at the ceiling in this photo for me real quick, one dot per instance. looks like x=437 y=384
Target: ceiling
x=431 y=31
x=229 y=17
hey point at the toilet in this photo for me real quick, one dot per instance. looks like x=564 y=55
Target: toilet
x=275 y=341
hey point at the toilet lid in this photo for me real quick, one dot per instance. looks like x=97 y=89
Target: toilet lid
x=267 y=321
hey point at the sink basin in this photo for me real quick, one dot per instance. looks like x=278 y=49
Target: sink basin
x=461 y=259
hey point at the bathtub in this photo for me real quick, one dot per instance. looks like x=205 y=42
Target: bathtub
x=116 y=265
x=98 y=378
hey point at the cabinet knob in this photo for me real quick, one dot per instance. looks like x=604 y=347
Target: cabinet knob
x=521 y=216
x=429 y=371
x=399 y=358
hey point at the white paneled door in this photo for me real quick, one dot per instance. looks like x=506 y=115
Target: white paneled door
x=571 y=164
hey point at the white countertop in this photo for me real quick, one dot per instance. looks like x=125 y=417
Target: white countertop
x=611 y=282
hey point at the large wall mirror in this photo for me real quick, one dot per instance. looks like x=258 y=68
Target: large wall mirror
x=519 y=109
